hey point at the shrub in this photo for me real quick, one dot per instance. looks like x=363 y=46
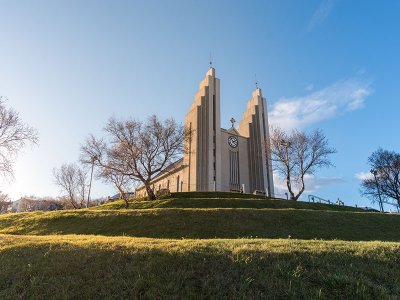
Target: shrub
x=163 y=194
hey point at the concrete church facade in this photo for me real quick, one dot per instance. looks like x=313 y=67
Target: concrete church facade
x=217 y=159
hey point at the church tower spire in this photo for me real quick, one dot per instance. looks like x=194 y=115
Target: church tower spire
x=204 y=161
x=254 y=126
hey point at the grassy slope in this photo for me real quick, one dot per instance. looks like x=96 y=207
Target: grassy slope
x=225 y=203
x=82 y=267
x=208 y=223
x=43 y=262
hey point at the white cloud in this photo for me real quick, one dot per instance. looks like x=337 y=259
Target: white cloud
x=363 y=175
x=315 y=183
x=311 y=182
x=342 y=96
x=322 y=12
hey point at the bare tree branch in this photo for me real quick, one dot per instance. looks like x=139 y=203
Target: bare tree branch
x=14 y=135
x=72 y=181
x=386 y=182
x=297 y=154
x=121 y=182
x=136 y=149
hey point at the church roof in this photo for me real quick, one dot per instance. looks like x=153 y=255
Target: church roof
x=170 y=168
x=233 y=131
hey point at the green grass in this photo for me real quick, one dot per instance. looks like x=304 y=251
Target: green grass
x=224 y=195
x=93 y=267
x=201 y=246
x=231 y=202
x=208 y=223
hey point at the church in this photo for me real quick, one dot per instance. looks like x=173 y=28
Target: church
x=237 y=159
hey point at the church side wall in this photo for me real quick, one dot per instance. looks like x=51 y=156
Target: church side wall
x=174 y=182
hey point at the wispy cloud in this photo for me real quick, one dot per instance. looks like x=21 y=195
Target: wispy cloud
x=363 y=175
x=322 y=12
x=309 y=87
x=342 y=96
x=312 y=183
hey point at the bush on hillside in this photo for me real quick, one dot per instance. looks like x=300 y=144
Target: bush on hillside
x=163 y=194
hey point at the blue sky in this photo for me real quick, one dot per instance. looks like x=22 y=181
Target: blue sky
x=67 y=66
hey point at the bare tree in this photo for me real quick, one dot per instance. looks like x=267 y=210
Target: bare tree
x=122 y=183
x=5 y=202
x=137 y=149
x=385 y=180
x=297 y=154
x=14 y=135
x=72 y=181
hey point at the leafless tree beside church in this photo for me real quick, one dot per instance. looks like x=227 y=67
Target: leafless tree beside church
x=297 y=154
x=14 y=135
x=136 y=149
x=72 y=180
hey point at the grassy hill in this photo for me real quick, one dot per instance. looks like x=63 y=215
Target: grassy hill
x=201 y=245
x=208 y=223
x=224 y=200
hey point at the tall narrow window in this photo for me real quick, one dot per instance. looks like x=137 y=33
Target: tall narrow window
x=214 y=113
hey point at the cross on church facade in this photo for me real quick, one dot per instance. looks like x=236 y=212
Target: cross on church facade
x=233 y=122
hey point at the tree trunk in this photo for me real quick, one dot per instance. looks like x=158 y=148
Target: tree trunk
x=301 y=191
x=289 y=186
x=150 y=192
x=72 y=201
x=126 y=203
x=123 y=197
x=298 y=195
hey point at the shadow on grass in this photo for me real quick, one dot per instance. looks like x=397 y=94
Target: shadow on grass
x=101 y=270
x=211 y=223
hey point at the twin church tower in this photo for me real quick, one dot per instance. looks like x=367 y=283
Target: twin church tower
x=218 y=159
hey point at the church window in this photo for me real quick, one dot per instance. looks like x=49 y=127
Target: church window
x=214 y=112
